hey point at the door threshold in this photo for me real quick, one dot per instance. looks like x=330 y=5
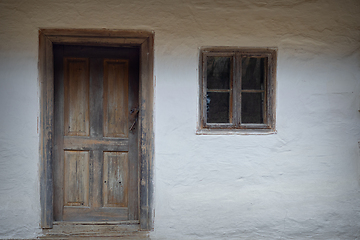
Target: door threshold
x=102 y=230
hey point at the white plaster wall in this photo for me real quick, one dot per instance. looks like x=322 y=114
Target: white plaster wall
x=301 y=183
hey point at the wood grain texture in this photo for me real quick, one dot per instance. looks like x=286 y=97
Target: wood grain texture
x=103 y=37
x=76 y=179
x=115 y=179
x=46 y=129
x=58 y=156
x=116 y=98
x=106 y=144
x=110 y=166
x=100 y=33
x=146 y=133
x=100 y=214
x=97 y=41
x=95 y=230
x=76 y=97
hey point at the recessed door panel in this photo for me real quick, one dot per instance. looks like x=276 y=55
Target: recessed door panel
x=76 y=83
x=116 y=98
x=115 y=185
x=76 y=178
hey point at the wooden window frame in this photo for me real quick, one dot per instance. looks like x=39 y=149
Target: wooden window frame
x=114 y=38
x=235 y=126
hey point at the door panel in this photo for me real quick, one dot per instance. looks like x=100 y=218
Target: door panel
x=115 y=186
x=76 y=105
x=116 y=98
x=96 y=156
x=76 y=179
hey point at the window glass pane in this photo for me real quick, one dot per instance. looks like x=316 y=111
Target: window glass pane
x=253 y=73
x=218 y=72
x=218 y=107
x=252 y=107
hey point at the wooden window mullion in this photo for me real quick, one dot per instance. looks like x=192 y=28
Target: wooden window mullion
x=270 y=79
x=204 y=89
x=237 y=88
x=266 y=86
x=232 y=110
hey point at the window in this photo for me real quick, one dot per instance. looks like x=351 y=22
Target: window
x=237 y=90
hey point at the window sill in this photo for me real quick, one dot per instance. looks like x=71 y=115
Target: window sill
x=235 y=131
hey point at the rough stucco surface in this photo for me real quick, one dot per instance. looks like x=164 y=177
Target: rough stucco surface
x=301 y=183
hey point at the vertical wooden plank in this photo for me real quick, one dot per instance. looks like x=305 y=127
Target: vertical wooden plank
x=232 y=113
x=58 y=156
x=134 y=157
x=266 y=83
x=272 y=89
x=237 y=89
x=76 y=178
x=115 y=179
x=146 y=134
x=96 y=130
x=76 y=105
x=46 y=129
x=204 y=90
x=150 y=139
x=116 y=94
x=96 y=176
x=96 y=97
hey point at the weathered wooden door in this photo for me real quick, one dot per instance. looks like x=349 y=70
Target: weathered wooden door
x=96 y=137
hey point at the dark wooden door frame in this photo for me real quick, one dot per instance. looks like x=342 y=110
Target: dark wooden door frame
x=115 y=38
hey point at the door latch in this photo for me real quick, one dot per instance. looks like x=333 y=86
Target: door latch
x=134 y=112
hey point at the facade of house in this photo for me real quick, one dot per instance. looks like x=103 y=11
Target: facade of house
x=291 y=171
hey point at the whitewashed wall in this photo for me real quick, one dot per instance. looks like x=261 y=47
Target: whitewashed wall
x=301 y=183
